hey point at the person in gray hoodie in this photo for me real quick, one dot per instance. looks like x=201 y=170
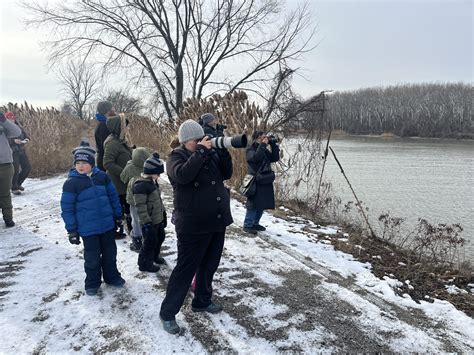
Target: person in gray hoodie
x=7 y=130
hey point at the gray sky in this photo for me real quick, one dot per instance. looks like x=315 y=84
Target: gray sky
x=361 y=44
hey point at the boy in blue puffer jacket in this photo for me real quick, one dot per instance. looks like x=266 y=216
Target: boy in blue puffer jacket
x=90 y=209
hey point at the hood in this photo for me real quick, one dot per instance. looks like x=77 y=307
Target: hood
x=139 y=155
x=114 y=125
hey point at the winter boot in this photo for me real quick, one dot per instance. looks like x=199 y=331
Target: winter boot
x=212 y=308
x=259 y=227
x=136 y=244
x=144 y=264
x=16 y=191
x=170 y=326
x=249 y=230
x=158 y=260
x=91 y=291
x=9 y=223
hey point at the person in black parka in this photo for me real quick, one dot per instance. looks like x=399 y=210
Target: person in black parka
x=259 y=160
x=201 y=215
x=104 y=110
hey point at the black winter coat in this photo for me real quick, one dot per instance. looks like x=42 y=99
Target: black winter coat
x=101 y=134
x=18 y=147
x=201 y=201
x=259 y=159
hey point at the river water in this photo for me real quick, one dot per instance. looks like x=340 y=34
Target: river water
x=411 y=178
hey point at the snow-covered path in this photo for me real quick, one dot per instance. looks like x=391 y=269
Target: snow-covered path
x=283 y=290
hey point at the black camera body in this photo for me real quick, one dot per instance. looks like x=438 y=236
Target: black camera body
x=272 y=139
x=220 y=129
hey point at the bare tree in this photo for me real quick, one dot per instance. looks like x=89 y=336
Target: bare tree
x=80 y=82
x=182 y=48
x=123 y=102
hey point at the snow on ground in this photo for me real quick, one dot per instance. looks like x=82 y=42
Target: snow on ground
x=283 y=290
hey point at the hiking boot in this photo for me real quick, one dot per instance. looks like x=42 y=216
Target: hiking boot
x=250 y=230
x=259 y=227
x=159 y=260
x=212 y=308
x=9 y=223
x=136 y=244
x=91 y=291
x=170 y=326
x=21 y=188
x=119 y=283
x=16 y=192
x=149 y=268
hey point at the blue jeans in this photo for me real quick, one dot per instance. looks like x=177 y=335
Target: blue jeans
x=100 y=256
x=252 y=217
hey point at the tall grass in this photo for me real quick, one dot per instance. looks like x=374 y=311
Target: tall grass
x=53 y=137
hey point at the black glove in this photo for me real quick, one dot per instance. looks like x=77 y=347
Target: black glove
x=74 y=238
x=118 y=223
x=165 y=219
x=2 y=117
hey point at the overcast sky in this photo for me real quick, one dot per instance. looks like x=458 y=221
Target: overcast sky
x=361 y=44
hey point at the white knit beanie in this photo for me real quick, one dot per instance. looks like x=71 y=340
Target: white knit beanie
x=190 y=130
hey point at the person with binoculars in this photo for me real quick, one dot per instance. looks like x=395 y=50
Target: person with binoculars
x=259 y=160
x=201 y=214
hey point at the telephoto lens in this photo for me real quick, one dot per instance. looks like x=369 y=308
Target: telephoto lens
x=238 y=141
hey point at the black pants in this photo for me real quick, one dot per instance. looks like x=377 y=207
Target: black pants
x=100 y=256
x=198 y=254
x=22 y=168
x=124 y=204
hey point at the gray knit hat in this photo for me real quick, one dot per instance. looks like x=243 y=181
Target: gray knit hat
x=103 y=107
x=190 y=130
x=153 y=165
x=207 y=117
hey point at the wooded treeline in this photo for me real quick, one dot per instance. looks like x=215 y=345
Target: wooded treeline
x=408 y=110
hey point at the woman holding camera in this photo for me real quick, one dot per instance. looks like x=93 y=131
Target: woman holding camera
x=259 y=160
x=201 y=215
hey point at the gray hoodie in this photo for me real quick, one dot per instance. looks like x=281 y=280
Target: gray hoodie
x=7 y=130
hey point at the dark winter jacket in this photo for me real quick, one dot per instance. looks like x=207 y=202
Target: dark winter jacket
x=18 y=147
x=101 y=133
x=89 y=204
x=134 y=168
x=147 y=199
x=116 y=152
x=259 y=160
x=201 y=201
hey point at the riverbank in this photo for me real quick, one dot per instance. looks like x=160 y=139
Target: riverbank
x=287 y=289
x=388 y=135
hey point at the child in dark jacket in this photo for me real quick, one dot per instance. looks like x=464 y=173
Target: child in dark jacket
x=151 y=213
x=90 y=208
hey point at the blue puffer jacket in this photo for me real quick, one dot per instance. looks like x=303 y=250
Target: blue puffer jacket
x=89 y=204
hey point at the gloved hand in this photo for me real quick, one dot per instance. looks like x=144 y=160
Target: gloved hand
x=165 y=219
x=74 y=238
x=2 y=117
x=118 y=223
